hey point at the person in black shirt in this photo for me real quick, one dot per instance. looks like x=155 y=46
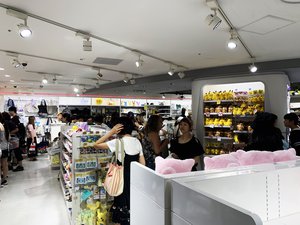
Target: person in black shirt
x=187 y=146
x=291 y=120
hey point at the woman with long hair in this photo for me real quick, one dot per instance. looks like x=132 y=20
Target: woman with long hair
x=152 y=145
x=31 y=139
x=133 y=153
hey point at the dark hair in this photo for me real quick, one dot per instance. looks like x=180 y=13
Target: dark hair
x=264 y=121
x=128 y=125
x=31 y=121
x=130 y=115
x=188 y=121
x=67 y=116
x=152 y=124
x=99 y=118
x=6 y=116
x=292 y=117
x=12 y=109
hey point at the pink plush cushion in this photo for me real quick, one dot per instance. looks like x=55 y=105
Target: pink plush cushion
x=285 y=155
x=170 y=166
x=256 y=157
x=220 y=161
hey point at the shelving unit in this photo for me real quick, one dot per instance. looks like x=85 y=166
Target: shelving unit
x=82 y=170
x=228 y=113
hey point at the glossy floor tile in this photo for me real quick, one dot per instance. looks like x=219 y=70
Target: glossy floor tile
x=33 y=196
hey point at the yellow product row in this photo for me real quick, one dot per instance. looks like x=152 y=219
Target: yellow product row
x=219 y=133
x=230 y=95
x=217 y=122
x=245 y=109
x=218 y=95
x=214 y=151
x=218 y=109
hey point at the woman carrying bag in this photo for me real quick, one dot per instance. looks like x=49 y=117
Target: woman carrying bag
x=133 y=153
x=31 y=139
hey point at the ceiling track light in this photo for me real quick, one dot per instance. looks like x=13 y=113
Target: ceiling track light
x=76 y=90
x=213 y=20
x=252 y=68
x=139 y=62
x=87 y=44
x=181 y=75
x=171 y=71
x=163 y=96
x=132 y=81
x=232 y=43
x=24 y=29
x=45 y=81
x=16 y=63
x=99 y=74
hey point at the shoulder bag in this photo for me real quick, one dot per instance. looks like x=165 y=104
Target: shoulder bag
x=43 y=109
x=114 y=180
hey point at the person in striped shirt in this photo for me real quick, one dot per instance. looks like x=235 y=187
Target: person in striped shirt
x=291 y=120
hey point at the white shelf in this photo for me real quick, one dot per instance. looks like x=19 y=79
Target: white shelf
x=213 y=126
x=68 y=137
x=66 y=145
x=216 y=138
x=215 y=101
x=217 y=114
x=241 y=132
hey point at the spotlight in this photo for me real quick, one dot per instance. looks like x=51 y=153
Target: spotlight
x=45 y=81
x=232 y=43
x=139 y=62
x=87 y=45
x=126 y=79
x=252 y=68
x=99 y=74
x=181 y=75
x=213 y=20
x=24 y=30
x=76 y=90
x=132 y=81
x=171 y=71
x=16 y=63
x=163 y=96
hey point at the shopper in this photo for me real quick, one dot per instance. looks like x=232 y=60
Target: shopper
x=59 y=117
x=133 y=152
x=152 y=145
x=265 y=136
x=291 y=121
x=187 y=146
x=4 y=137
x=14 y=141
x=66 y=118
x=99 y=122
x=113 y=119
x=31 y=138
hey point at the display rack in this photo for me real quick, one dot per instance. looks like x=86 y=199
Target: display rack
x=83 y=169
x=228 y=113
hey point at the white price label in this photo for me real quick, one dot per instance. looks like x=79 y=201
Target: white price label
x=80 y=165
x=219 y=139
x=91 y=163
x=220 y=114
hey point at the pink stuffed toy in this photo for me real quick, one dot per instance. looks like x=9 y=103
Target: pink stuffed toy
x=254 y=157
x=220 y=161
x=285 y=155
x=170 y=165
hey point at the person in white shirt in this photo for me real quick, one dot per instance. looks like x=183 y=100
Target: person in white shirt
x=31 y=139
x=133 y=152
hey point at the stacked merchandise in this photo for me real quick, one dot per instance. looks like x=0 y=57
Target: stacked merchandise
x=54 y=154
x=83 y=169
x=228 y=115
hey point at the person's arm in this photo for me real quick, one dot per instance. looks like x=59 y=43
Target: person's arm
x=100 y=144
x=157 y=145
x=142 y=160
x=30 y=128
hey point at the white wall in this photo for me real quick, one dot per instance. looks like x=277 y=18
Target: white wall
x=275 y=96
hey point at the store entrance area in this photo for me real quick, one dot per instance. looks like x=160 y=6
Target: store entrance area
x=33 y=196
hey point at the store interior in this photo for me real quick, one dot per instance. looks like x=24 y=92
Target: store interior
x=222 y=61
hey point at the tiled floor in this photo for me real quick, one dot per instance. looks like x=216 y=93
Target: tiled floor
x=33 y=196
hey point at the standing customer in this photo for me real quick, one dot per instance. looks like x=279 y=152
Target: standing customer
x=133 y=153
x=152 y=145
x=4 y=137
x=14 y=141
x=265 y=136
x=187 y=146
x=31 y=138
x=291 y=120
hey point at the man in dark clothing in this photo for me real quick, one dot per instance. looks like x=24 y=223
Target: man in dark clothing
x=17 y=151
x=291 y=121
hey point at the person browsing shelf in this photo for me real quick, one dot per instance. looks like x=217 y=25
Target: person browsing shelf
x=133 y=153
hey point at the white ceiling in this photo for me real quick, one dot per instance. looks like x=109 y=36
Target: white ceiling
x=173 y=30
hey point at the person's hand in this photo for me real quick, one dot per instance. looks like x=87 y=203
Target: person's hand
x=117 y=128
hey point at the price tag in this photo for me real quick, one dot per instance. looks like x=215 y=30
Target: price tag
x=255 y=111
x=220 y=114
x=211 y=126
x=80 y=165
x=218 y=102
x=91 y=163
x=219 y=139
x=80 y=179
x=207 y=114
x=90 y=178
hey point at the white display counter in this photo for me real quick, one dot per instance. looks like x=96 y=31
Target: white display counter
x=257 y=198
x=216 y=196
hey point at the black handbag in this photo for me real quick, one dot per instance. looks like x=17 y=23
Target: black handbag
x=43 y=109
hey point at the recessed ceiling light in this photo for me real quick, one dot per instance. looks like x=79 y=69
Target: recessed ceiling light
x=6 y=75
x=76 y=90
x=12 y=81
x=45 y=81
x=1 y=68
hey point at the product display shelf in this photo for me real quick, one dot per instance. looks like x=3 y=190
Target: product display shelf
x=233 y=110
x=86 y=168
